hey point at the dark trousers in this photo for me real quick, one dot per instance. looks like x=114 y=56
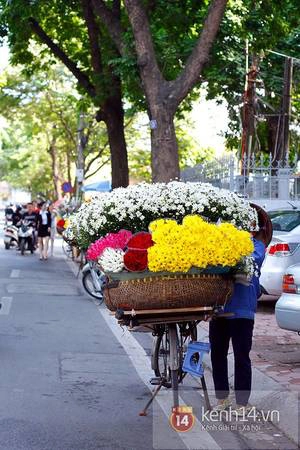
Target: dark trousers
x=240 y=332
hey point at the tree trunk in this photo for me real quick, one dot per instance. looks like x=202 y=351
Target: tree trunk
x=68 y=158
x=163 y=97
x=114 y=120
x=164 y=148
x=55 y=169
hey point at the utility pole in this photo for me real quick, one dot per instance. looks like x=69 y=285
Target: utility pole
x=80 y=158
x=248 y=110
x=286 y=106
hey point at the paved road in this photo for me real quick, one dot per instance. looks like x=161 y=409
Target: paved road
x=72 y=379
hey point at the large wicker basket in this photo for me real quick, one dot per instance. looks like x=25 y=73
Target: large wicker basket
x=168 y=292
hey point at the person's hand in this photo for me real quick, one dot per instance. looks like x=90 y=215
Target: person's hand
x=49 y=229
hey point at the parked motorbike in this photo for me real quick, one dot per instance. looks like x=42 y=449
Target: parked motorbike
x=93 y=280
x=26 y=241
x=11 y=236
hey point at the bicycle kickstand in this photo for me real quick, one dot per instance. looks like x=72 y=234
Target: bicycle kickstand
x=154 y=394
x=205 y=393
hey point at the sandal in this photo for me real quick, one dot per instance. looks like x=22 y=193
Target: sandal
x=243 y=410
x=222 y=405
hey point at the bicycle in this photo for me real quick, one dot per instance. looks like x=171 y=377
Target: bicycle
x=173 y=330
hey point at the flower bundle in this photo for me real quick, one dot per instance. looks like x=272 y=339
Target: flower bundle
x=111 y=240
x=112 y=260
x=136 y=256
x=135 y=207
x=61 y=223
x=196 y=243
x=173 y=247
x=119 y=251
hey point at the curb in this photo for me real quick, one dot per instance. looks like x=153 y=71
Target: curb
x=271 y=396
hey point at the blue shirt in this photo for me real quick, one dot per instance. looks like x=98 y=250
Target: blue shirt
x=243 y=302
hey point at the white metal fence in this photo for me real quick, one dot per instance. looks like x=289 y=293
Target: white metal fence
x=254 y=177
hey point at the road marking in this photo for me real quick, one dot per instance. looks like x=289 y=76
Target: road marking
x=15 y=273
x=6 y=304
x=141 y=363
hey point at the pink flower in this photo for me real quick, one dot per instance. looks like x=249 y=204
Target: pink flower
x=112 y=240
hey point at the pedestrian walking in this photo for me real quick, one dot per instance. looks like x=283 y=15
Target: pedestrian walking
x=43 y=229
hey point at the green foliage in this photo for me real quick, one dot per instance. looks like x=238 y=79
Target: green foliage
x=267 y=25
x=175 y=27
x=45 y=109
x=24 y=163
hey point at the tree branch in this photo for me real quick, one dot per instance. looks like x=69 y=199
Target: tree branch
x=59 y=113
x=81 y=77
x=146 y=57
x=98 y=168
x=89 y=164
x=180 y=87
x=111 y=19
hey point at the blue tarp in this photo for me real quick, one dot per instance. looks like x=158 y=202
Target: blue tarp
x=101 y=186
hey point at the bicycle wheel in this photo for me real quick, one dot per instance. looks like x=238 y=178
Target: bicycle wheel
x=87 y=281
x=160 y=359
x=161 y=355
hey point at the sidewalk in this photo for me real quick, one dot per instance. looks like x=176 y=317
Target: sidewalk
x=276 y=352
x=276 y=370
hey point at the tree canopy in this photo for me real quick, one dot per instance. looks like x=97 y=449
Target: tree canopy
x=70 y=33
x=155 y=54
x=45 y=109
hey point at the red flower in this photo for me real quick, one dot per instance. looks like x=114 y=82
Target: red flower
x=136 y=260
x=141 y=240
x=61 y=223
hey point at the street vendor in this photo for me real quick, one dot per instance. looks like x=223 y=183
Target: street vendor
x=239 y=329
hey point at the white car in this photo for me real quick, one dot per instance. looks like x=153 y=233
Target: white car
x=282 y=252
x=287 y=308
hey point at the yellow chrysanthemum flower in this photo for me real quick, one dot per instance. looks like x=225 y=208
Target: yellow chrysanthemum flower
x=195 y=243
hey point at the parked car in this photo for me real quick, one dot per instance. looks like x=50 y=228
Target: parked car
x=287 y=308
x=282 y=252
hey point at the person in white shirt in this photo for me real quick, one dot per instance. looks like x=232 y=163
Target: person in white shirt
x=43 y=229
